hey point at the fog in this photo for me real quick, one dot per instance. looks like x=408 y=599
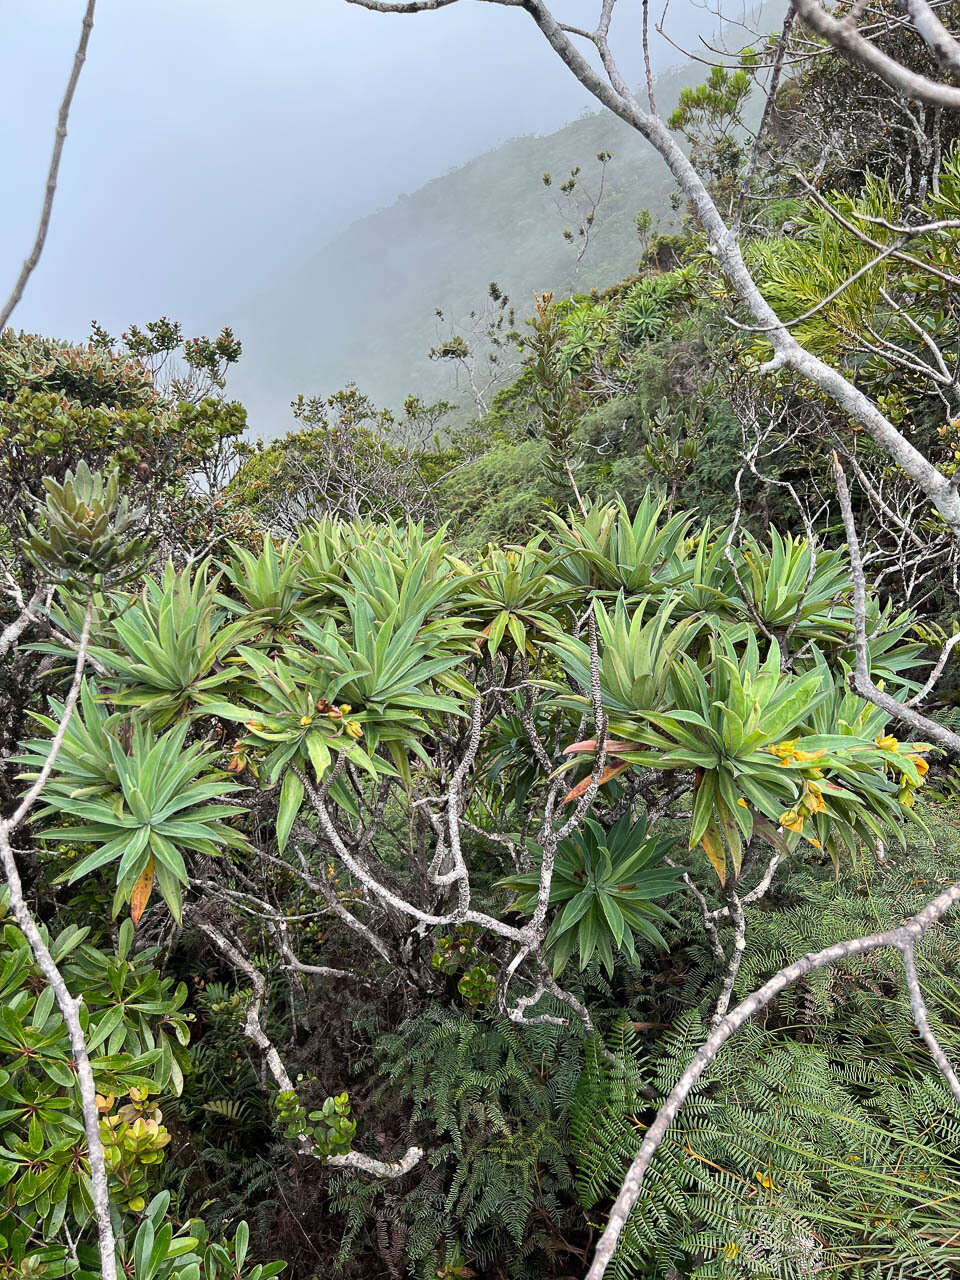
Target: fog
x=214 y=144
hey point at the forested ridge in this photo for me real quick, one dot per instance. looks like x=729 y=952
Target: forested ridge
x=363 y=307
x=517 y=842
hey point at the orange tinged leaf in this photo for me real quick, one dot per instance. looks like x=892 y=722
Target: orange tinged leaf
x=590 y=744
x=713 y=848
x=141 y=892
x=610 y=771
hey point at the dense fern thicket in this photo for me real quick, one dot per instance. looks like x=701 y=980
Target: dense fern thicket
x=822 y=1144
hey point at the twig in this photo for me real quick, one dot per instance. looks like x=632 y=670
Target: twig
x=735 y=908
x=52 y=173
x=844 y=36
x=253 y=1029
x=862 y=680
x=904 y=936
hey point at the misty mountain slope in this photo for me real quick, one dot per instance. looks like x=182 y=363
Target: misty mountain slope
x=362 y=308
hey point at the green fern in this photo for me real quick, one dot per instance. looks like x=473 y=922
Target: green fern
x=822 y=1142
x=488 y=1099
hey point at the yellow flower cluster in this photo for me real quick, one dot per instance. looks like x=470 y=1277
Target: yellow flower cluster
x=914 y=752
x=789 y=753
x=811 y=799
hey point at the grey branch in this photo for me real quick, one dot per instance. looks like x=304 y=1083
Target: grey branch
x=903 y=938
x=53 y=172
x=919 y=1010
x=253 y=1029
x=737 y=948
x=843 y=35
x=932 y=31
x=863 y=682
x=68 y=1005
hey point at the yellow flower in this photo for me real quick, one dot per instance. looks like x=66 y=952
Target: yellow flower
x=305 y=720
x=353 y=729
x=888 y=743
x=921 y=765
x=742 y=802
x=813 y=802
x=790 y=820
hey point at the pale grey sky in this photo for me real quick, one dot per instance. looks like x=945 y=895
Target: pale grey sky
x=212 y=142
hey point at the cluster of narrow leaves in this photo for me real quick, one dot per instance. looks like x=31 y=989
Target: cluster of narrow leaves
x=139 y=798
x=136 y=1035
x=772 y=741
x=339 y=660
x=605 y=882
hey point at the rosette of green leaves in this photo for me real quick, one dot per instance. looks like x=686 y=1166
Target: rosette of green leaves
x=166 y=800
x=387 y=677
x=638 y=654
x=608 y=552
x=268 y=583
x=292 y=722
x=169 y=644
x=327 y=546
x=511 y=766
x=793 y=584
x=605 y=882
x=747 y=730
x=404 y=574
x=710 y=586
x=512 y=593
x=393 y=669
x=86 y=532
x=85 y=762
x=870 y=786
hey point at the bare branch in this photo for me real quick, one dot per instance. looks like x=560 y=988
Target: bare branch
x=863 y=682
x=919 y=1010
x=935 y=674
x=843 y=35
x=768 y=107
x=68 y=1005
x=932 y=31
x=902 y=937
x=735 y=909
x=14 y=630
x=53 y=172
x=253 y=1029
x=26 y=804
x=69 y=1008
x=414 y=6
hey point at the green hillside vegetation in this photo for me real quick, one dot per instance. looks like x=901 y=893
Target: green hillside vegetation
x=363 y=309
